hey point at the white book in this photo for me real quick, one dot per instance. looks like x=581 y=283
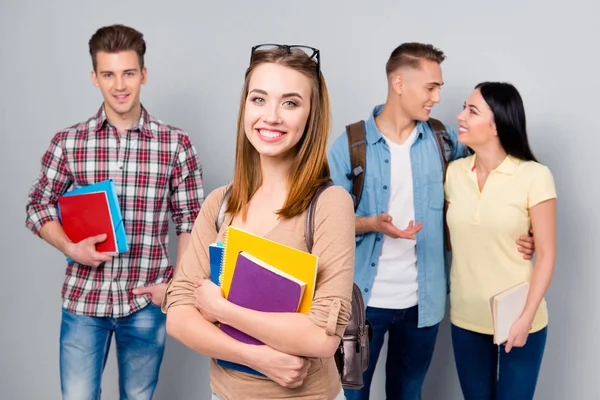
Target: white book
x=507 y=306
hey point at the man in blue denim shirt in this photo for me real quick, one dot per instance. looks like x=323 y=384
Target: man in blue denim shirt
x=402 y=273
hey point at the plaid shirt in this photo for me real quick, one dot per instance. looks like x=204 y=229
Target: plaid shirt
x=155 y=171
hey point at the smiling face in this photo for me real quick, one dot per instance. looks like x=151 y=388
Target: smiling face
x=419 y=89
x=119 y=77
x=476 y=122
x=276 y=110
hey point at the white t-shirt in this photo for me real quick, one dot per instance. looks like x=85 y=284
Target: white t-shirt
x=395 y=285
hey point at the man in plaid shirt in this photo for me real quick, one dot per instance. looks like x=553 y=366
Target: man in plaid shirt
x=156 y=173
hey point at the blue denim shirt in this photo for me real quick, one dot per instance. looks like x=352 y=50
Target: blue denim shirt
x=427 y=175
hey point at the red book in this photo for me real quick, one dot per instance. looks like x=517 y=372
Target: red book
x=85 y=215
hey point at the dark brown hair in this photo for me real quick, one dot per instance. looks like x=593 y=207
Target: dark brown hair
x=509 y=116
x=411 y=54
x=117 y=38
x=310 y=168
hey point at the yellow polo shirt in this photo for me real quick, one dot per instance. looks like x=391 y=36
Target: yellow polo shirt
x=484 y=227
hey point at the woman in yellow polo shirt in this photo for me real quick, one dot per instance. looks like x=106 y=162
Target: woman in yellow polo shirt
x=493 y=196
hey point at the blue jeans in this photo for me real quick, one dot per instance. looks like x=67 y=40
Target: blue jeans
x=410 y=350
x=487 y=372
x=84 y=345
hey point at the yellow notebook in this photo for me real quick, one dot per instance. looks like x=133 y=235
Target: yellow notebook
x=299 y=264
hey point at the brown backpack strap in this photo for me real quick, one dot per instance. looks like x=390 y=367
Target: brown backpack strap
x=438 y=128
x=357 y=146
x=309 y=226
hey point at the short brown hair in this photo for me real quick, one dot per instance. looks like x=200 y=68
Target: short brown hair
x=117 y=38
x=311 y=168
x=411 y=54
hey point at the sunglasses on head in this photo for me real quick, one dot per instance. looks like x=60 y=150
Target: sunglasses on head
x=311 y=52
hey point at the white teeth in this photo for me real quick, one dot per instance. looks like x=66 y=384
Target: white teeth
x=461 y=129
x=270 y=134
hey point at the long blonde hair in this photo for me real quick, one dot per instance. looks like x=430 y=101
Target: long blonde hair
x=310 y=168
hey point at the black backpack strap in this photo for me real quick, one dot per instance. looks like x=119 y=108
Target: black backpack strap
x=309 y=226
x=440 y=133
x=220 y=218
x=357 y=147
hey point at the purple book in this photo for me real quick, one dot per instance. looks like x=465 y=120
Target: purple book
x=259 y=286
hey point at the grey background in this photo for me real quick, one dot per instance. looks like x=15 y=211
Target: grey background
x=197 y=53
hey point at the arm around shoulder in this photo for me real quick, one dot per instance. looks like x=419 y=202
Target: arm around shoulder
x=458 y=150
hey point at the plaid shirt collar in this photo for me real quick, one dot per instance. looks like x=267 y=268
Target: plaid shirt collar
x=143 y=124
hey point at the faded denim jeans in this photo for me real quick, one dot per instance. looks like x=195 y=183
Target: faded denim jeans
x=85 y=343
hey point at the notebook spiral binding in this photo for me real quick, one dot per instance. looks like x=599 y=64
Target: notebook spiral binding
x=223 y=258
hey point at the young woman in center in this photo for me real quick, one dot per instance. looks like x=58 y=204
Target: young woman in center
x=281 y=161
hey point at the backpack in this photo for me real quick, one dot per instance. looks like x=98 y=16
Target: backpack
x=357 y=146
x=352 y=355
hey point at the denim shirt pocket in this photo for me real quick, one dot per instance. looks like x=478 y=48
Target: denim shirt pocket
x=435 y=194
x=368 y=201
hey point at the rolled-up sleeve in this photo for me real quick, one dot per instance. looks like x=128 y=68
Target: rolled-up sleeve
x=334 y=245
x=187 y=193
x=339 y=162
x=52 y=182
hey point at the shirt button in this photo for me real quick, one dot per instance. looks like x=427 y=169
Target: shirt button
x=372 y=264
x=120 y=167
x=378 y=239
x=384 y=187
x=387 y=161
x=366 y=290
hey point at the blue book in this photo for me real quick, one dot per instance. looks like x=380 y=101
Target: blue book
x=215 y=253
x=107 y=186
